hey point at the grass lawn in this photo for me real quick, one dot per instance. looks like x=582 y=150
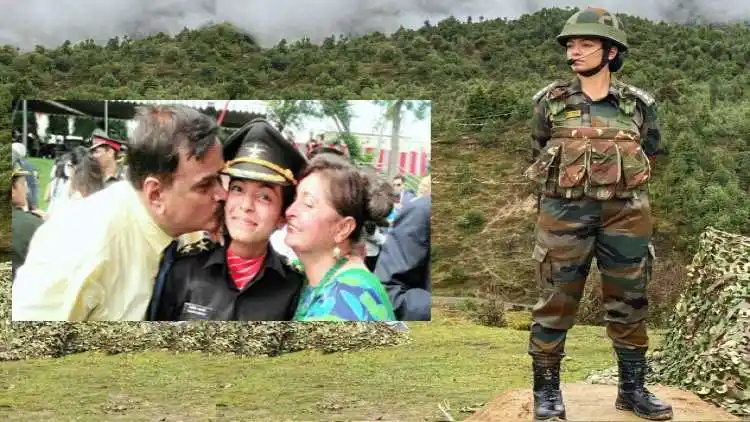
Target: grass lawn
x=43 y=166
x=450 y=359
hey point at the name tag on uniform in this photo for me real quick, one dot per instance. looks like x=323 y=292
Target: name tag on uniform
x=191 y=311
x=572 y=114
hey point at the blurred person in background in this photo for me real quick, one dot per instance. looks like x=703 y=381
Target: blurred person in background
x=402 y=193
x=87 y=178
x=374 y=234
x=404 y=265
x=425 y=186
x=58 y=189
x=32 y=177
x=24 y=223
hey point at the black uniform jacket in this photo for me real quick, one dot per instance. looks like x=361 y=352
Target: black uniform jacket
x=199 y=287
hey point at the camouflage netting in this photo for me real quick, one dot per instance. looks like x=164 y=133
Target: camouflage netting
x=707 y=347
x=38 y=340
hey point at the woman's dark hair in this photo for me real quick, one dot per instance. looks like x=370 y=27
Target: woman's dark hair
x=354 y=192
x=88 y=177
x=60 y=163
x=616 y=63
x=77 y=155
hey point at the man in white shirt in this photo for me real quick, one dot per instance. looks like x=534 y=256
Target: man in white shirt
x=97 y=258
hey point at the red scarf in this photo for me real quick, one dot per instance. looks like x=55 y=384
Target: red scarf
x=243 y=270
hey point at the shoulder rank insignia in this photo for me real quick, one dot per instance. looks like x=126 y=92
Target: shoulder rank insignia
x=642 y=95
x=553 y=89
x=193 y=243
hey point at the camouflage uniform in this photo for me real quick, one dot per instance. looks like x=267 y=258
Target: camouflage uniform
x=593 y=170
x=592 y=165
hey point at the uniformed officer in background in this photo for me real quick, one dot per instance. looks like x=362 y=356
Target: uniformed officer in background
x=106 y=150
x=24 y=223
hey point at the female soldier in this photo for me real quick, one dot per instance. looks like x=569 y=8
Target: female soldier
x=594 y=139
x=244 y=279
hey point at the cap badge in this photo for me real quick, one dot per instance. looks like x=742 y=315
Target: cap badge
x=255 y=151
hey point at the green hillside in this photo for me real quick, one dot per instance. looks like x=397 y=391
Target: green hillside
x=481 y=77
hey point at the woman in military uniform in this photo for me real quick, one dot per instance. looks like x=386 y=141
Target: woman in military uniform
x=244 y=279
x=594 y=139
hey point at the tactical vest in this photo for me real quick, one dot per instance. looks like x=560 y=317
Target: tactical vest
x=600 y=162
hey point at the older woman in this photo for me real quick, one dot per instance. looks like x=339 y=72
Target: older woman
x=325 y=222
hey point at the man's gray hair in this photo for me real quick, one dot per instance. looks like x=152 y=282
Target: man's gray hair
x=161 y=133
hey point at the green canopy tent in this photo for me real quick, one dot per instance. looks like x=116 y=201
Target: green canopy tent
x=125 y=110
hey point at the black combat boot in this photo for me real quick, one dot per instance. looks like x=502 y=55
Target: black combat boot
x=548 y=402
x=632 y=395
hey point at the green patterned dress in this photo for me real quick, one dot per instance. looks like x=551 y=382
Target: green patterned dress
x=353 y=295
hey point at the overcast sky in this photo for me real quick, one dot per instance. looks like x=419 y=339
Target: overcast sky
x=49 y=23
x=368 y=118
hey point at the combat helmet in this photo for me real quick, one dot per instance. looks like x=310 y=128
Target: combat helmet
x=594 y=22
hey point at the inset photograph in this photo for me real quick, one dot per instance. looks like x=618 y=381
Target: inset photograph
x=228 y=210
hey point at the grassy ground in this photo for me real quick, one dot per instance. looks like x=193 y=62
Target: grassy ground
x=484 y=215
x=449 y=359
x=5 y=233
x=43 y=166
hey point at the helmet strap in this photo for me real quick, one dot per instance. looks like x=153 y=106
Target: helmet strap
x=606 y=47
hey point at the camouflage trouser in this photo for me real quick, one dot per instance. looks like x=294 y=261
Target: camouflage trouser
x=569 y=234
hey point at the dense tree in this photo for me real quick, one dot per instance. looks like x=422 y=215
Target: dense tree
x=394 y=112
x=480 y=76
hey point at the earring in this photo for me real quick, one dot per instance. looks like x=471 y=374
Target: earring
x=337 y=252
